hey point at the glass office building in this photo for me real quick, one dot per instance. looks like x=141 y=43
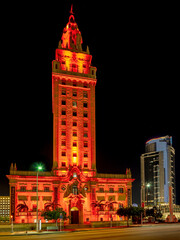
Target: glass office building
x=158 y=172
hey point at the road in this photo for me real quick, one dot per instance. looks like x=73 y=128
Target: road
x=154 y=232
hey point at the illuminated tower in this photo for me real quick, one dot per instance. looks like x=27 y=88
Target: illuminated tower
x=73 y=99
x=74 y=182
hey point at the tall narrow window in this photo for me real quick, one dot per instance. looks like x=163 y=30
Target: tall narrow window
x=63 y=82
x=63 y=133
x=63 y=92
x=85 y=95
x=74 y=114
x=85 y=124
x=74 y=103
x=63 y=154
x=74 y=124
x=85 y=105
x=63 y=112
x=75 y=190
x=85 y=144
x=74 y=134
x=74 y=94
x=63 y=122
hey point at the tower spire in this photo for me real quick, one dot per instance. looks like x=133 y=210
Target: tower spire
x=71 y=11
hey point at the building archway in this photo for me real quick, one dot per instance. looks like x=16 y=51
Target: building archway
x=74 y=215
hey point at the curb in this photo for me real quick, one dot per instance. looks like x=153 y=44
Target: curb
x=31 y=233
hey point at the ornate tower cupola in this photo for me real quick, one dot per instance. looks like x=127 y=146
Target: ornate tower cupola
x=73 y=99
x=71 y=37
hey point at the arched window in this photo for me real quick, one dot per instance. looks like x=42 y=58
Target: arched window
x=75 y=190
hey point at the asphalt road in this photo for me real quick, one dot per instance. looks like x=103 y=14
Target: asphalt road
x=154 y=232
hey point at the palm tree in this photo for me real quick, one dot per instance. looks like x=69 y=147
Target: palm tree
x=22 y=207
x=99 y=205
x=53 y=205
x=109 y=205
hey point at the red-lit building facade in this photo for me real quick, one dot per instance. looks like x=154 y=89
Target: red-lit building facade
x=73 y=182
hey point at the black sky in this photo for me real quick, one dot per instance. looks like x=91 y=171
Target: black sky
x=135 y=48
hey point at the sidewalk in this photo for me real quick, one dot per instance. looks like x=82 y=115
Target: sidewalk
x=24 y=233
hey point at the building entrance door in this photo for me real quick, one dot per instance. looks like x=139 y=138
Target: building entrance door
x=74 y=215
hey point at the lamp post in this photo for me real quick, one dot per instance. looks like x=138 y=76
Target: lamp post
x=12 y=224
x=38 y=169
x=148 y=186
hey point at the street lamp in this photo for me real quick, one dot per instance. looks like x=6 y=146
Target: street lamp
x=39 y=168
x=12 y=224
x=148 y=186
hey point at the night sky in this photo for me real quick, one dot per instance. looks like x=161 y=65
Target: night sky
x=135 y=48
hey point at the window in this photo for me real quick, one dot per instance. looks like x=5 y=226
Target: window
x=101 y=190
x=63 y=92
x=74 y=154
x=46 y=189
x=74 y=144
x=75 y=189
x=74 y=134
x=74 y=83
x=85 y=144
x=63 y=143
x=121 y=190
x=85 y=165
x=85 y=95
x=63 y=164
x=63 y=82
x=74 y=114
x=63 y=133
x=47 y=198
x=85 y=85
x=63 y=154
x=85 y=134
x=74 y=67
x=74 y=94
x=111 y=190
x=63 y=102
x=85 y=105
x=85 y=114
x=74 y=103
x=63 y=122
x=63 y=112
x=74 y=124
x=85 y=124
x=85 y=155
x=34 y=189
x=22 y=189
